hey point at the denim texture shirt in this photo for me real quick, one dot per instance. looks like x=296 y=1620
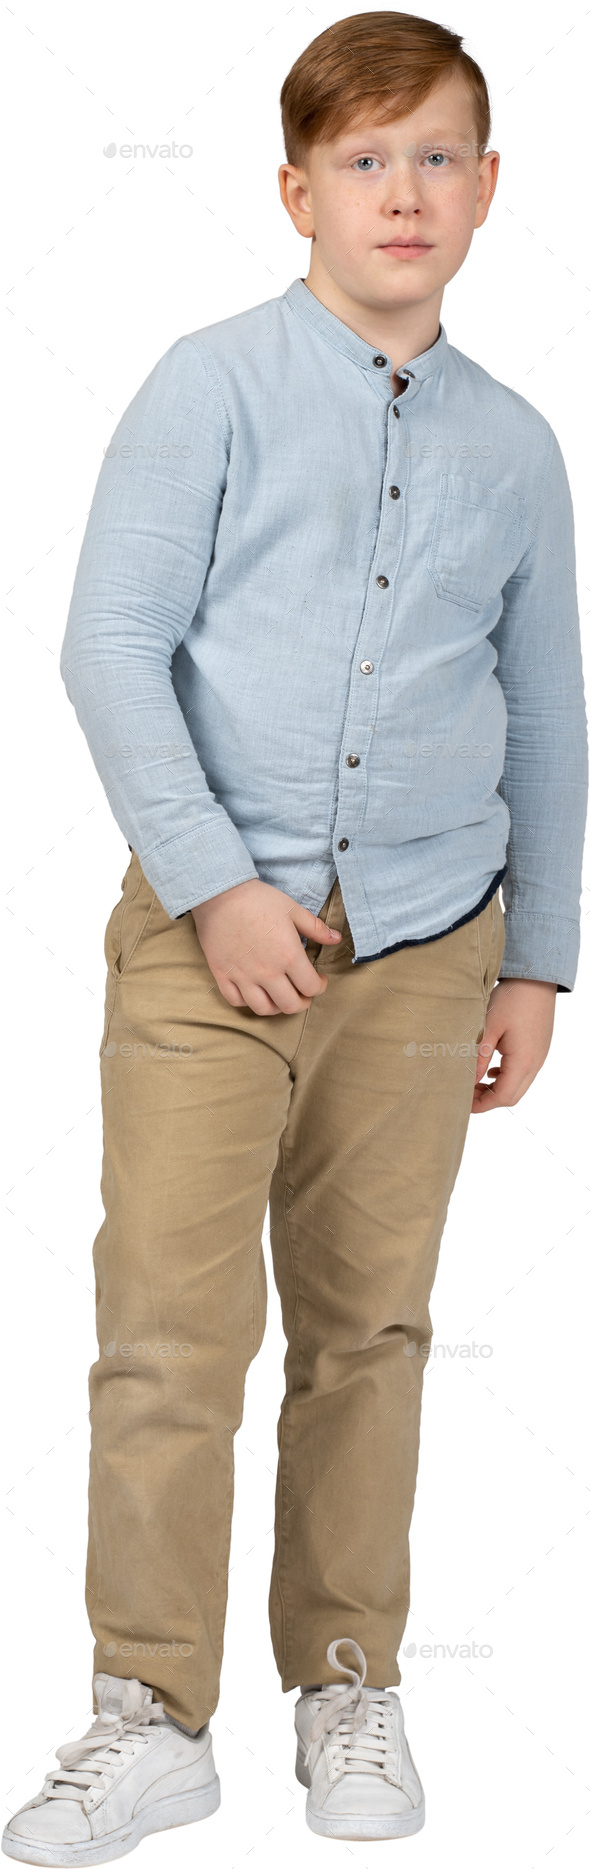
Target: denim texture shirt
x=320 y=628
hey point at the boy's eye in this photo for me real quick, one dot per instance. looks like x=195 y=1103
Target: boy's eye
x=435 y=159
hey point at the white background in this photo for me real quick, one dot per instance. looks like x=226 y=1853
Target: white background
x=108 y=261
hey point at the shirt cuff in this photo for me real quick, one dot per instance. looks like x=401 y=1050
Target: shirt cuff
x=189 y=869
x=540 y=947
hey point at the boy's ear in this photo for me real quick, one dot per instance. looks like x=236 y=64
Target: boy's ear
x=294 y=189
x=488 y=176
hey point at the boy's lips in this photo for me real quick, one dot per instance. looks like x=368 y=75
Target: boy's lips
x=407 y=248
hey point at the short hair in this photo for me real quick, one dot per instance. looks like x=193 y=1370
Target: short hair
x=381 y=65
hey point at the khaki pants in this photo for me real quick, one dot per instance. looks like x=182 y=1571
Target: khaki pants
x=350 y=1119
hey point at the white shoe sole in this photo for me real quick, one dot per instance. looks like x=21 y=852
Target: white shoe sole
x=360 y=1828
x=187 y=1808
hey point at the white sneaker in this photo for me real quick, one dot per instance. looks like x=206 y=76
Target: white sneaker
x=353 y=1753
x=134 y=1772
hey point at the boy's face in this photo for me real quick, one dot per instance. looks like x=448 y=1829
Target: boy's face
x=375 y=187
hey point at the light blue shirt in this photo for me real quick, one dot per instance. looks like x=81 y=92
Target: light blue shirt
x=319 y=628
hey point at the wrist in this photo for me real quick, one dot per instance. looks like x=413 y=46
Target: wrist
x=518 y=980
x=222 y=895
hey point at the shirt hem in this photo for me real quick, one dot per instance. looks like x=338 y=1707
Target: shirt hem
x=360 y=960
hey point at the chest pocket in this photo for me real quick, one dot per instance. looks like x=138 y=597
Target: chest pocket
x=477 y=540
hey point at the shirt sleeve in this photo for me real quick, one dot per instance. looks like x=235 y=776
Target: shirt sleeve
x=545 y=777
x=145 y=554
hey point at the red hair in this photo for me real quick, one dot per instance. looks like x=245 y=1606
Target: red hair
x=380 y=65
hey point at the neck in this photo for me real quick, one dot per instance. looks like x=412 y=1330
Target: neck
x=402 y=331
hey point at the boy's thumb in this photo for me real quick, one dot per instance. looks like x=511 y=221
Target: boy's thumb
x=311 y=926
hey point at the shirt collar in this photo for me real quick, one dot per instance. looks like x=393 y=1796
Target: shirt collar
x=306 y=306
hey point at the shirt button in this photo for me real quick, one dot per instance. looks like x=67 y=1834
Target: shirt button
x=343 y=845
x=379 y=361
x=383 y=583
x=394 y=493
x=352 y=759
x=396 y=410
x=367 y=668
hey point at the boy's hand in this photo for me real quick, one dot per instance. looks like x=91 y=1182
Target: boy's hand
x=519 y=1025
x=250 y=938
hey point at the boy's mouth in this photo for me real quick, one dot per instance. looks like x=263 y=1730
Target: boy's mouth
x=406 y=249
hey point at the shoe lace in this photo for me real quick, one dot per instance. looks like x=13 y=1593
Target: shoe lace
x=88 y=1766
x=356 y=1715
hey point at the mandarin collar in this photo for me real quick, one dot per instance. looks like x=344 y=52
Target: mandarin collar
x=304 y=303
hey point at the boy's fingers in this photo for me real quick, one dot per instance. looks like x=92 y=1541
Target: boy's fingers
x=314 y=929
x=509 y=1085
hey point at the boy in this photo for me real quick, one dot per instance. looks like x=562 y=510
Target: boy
x=318 y=533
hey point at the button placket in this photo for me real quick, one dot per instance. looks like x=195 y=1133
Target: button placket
x=361 y=720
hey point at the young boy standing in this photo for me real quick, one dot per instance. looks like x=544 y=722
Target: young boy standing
x=324 y=646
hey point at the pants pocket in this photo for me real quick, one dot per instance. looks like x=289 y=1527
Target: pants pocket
x=109 y=1007
x=497 y=942
x=130 y=918
x=123 y=933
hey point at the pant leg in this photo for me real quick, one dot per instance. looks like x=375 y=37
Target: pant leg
x=383 y=1086
x=195 y=1097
